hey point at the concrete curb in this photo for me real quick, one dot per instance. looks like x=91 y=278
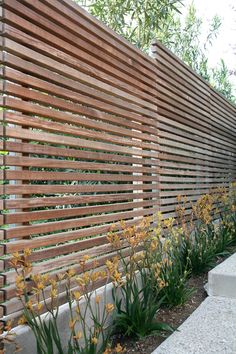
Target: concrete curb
x=211 y=329
x=222 y=279
x=24 y=335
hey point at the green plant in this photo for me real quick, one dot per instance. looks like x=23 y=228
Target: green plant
x=220 y=79
x=137 y=301
x=226 y=202
x=153 y=263
x=210 y=232
x=224 y=238
x=137 y=308
x=198 y=242
x=142 y=21
x=176 y=292
x=199 y=250
x=88 y=325
x=136 y=20
x=182 y=36
x=172 y=271
x=175 y=273
x=188 y=38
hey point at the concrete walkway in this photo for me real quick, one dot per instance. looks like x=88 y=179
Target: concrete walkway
x=222 y=279
x=211 y=329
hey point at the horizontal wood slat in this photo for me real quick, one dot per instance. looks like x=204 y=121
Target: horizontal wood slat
x=93 y=131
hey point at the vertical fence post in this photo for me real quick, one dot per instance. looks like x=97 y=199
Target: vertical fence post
x=157 y=190
x=136 y=191
x=2 y=171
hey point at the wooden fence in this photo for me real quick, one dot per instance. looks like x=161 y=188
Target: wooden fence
x=94 y=131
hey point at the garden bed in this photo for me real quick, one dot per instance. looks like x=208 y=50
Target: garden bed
x=158 y=276
x=174 y=317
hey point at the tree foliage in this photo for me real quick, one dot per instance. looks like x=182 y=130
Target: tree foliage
x=141 y=21
x=191 y=41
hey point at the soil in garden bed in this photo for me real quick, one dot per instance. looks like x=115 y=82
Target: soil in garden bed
x=174 y=317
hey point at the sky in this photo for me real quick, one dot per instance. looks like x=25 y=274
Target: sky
x=225 y=45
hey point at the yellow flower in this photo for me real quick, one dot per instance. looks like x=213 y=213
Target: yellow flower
x=39 y=306
x=157 y=269
x=22 y=320
x=161 y=284
x=20 y=288
x=224 y=198
x=19 y=280
x=103 y=274
x=97 y=299
x=27 y=252
x=179 y=198
x=123 y=224
x=80 y=280
x=94 y=276
x=94 y=340
x=78 y=335
x=117 y=277
x=53 y=283
x=45 y=278
x=109 y=308
x=27 y=266
x=14 y=263
x=112 y=267
x=166 y=245
x=86 y=258
x=36 y=277
x=72 y=324
x=159 y=216
x=119 y=349
x=109 y=265
x=71 y=272
x=113 y=227
x=169 y=223
x=61 y=276
x=154 y=245
x=77 y=295
x=86 y=278
x=29 y=305
x=16 y=255
x=40 y=286
x=114 y=239
x=138 y=257
x=53 y=293
x=107 y=351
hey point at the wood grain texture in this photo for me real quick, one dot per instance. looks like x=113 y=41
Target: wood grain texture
x=94 y=131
